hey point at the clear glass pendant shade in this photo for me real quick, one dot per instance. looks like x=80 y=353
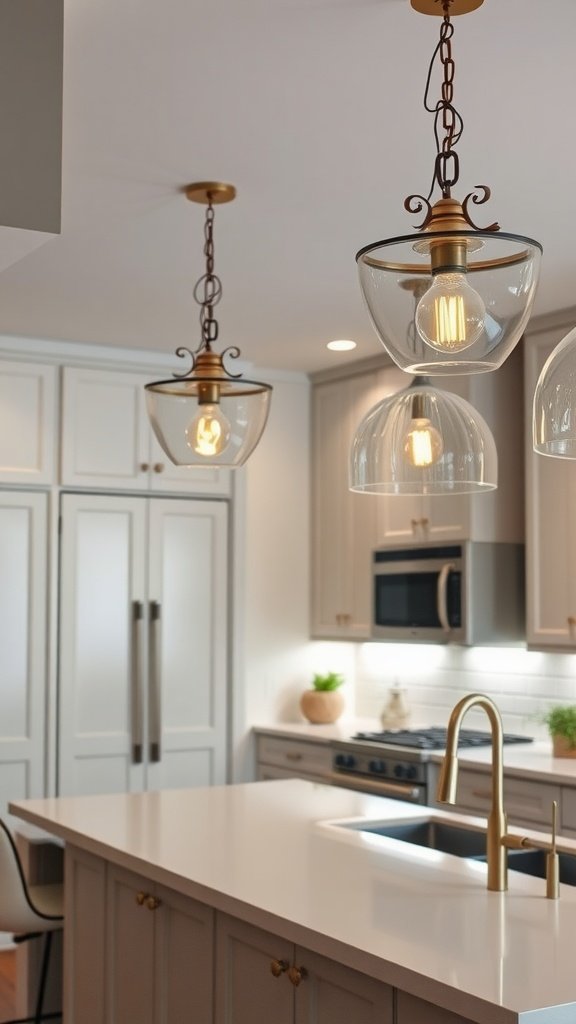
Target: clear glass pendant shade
x=195 y=432
x=554 y=409
x=423 y=441
x=466 y=320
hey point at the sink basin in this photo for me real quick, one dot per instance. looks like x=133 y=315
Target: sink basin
x=533 y=862
x=436 y=835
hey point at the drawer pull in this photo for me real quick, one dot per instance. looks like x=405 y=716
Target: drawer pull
x=158 y=467
x=152 y=902
x=293 y=757
x=141 y=898
x=144 y=467
x=278 y=967
x=296 y=975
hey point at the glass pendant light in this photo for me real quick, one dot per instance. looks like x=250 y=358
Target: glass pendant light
x=208 y=416
x=554 y=408
x=480 y=282
x=423 y=441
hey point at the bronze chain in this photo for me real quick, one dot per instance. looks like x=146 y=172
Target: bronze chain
x=208 y=289
x=446 y=117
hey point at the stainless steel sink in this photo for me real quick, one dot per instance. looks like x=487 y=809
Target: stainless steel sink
x=436 y=835
x=466 y=842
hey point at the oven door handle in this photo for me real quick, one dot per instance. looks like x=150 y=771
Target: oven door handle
x=400 y=790
x=441 y=595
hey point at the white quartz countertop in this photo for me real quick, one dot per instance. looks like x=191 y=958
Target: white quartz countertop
x=271 y=853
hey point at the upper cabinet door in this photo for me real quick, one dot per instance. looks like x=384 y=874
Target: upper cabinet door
x=27 y=423
x=550 y=537
x=23 y=546
x=107 y=441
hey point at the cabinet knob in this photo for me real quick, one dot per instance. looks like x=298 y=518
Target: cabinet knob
x=278 y=967
x=152 y=902
x=141 y=898
x=296 y=975
x=571 y=621
x=144 y=467
x=158 y=467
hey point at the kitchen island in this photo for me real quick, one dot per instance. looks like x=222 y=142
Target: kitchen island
x=252 y=903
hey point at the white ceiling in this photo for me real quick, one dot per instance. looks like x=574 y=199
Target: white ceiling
x=313 y=109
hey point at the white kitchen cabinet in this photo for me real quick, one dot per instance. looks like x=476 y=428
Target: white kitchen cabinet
x=23 y=572
x=107 y=441
x=150 y=948
x=279 y=757
x=263 y=978
x=550 y=537
x=347 y=527
x=143 y=643
x=27 y=423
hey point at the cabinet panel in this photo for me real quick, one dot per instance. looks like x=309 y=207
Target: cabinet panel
x=524 y=800
x=84 y=938
x=108 y=442
x=247 y=990
x=27 y=423
x=102 y=575
x=410 y=1010
x=568 y=810
x=130 y=960
x=295 y=756
x=550 y=542
x=184 y=960
x=333 y=994
x=23 y=572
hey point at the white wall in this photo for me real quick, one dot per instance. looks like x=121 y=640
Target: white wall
x=523 y=683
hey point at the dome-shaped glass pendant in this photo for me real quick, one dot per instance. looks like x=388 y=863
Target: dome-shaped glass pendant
x=208 y=416
x=554 y=407
x=423 y=441
x=476 y=286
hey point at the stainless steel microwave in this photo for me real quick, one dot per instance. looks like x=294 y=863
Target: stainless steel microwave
x=465 y=592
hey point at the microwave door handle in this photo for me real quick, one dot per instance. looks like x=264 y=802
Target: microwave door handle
x=441 y=603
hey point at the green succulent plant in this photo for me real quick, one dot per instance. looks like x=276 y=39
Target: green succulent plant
x=561 y=721
x=328 y=681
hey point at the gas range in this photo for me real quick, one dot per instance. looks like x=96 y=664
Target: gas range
x=395 y=763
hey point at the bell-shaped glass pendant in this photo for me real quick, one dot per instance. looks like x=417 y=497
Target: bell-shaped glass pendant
x=554 y=407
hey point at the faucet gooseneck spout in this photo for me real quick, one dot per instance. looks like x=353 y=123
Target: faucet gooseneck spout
x=447 y=784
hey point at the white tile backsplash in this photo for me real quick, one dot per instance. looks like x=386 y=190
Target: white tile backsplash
x=523 y=683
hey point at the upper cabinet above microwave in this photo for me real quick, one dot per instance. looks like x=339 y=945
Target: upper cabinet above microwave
x=347 y=527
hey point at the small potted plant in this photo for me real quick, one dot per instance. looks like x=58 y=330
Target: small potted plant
x=323 y=703
x=561 y=722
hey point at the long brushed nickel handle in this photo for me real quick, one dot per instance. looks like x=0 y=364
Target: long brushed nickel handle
x=136 y=682
x=441 y=595
x=154 y=695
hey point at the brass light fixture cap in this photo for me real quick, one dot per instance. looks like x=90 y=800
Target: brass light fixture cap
x=436 y=7
x=210 y=191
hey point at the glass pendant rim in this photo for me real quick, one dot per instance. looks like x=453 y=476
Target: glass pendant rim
x=433 y=235
x=232 y=387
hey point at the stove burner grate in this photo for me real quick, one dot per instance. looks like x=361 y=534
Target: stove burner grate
x=434 y=738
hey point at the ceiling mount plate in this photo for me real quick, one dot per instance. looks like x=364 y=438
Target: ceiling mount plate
x=210 y=191
x=436 y=7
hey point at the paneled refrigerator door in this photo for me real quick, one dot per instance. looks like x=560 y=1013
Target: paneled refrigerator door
x=23 y=547
x=143 y=643
x=187 y=643
x=101 y=644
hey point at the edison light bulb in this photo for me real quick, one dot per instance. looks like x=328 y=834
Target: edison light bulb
x=209 y=432
x=423 y=445
x=450 y=315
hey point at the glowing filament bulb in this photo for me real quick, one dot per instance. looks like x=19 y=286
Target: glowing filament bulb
x=209 y=432
x=450 y=315
x=423 y=445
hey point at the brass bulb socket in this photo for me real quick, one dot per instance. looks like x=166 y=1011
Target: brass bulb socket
x=448 y=256
x=208 y=393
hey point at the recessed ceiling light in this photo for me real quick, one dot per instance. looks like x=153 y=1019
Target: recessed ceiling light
x=342 y=345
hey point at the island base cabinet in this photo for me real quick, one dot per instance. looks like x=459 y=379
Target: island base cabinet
x=263 y=978
x=135 y=951
x=411 y=1010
